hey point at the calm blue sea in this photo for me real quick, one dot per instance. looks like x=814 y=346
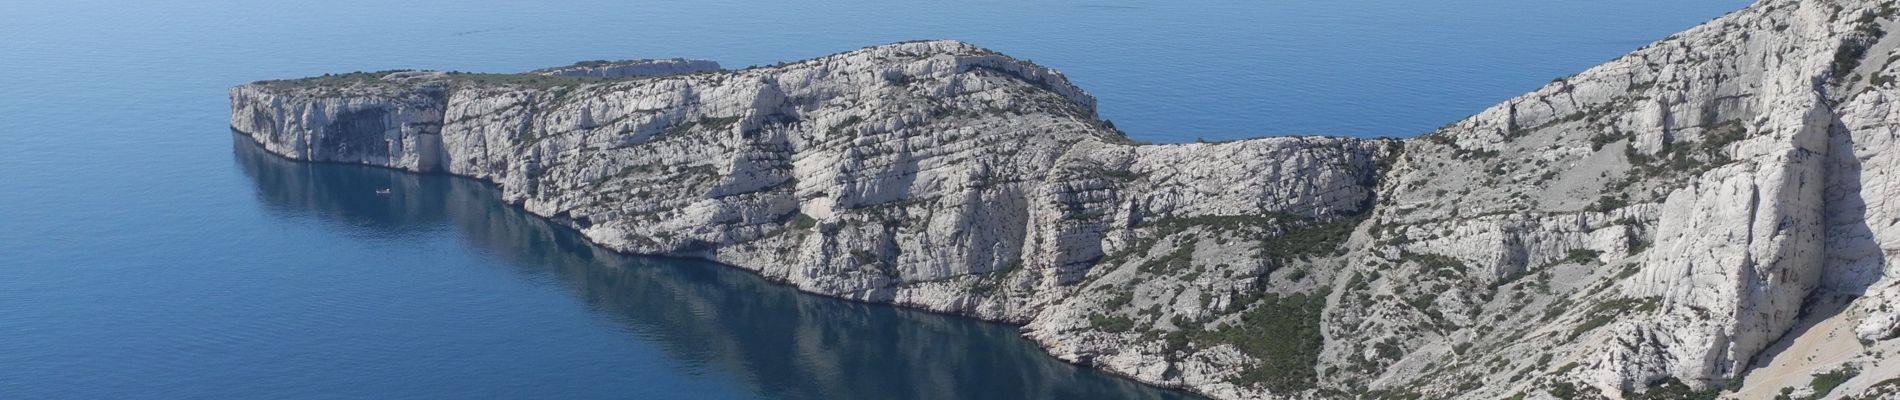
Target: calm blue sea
x=145 y=254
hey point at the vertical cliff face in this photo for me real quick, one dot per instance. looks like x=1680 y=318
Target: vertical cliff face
x=1706 y=210
x=399 y=129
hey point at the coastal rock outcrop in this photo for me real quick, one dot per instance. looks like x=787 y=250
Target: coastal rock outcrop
x=1668 y=223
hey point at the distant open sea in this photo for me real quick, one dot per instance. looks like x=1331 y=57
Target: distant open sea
x=146 y=254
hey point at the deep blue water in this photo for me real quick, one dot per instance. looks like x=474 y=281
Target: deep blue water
x=143 y=254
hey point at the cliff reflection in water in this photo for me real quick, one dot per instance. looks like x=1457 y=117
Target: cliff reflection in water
x=780 y=343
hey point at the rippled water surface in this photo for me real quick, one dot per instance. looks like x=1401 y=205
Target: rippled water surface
x=144 y=254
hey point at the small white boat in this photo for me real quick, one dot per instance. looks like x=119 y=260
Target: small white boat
x=383 y=191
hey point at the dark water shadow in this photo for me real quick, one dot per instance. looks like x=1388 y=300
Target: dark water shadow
x=782 y=343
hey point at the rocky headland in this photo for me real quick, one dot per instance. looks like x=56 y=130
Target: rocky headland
x=1705 y=216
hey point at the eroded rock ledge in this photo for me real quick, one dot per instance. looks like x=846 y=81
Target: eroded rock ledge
x=1669 y=222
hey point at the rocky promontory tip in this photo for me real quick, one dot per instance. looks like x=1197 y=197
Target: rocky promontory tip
x=1703 y=216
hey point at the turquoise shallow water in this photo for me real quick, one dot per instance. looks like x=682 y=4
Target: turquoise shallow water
x=144 y=255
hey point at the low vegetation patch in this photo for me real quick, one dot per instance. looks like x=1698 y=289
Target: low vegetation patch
x=1825 y=382
x=1439 y=264
x=1283 y=332
x=1176 y=261
x=1610 y=310
x=1111 y=323
x=1582 y=256
x=803 y=222
x=1309 y=239
x=1854 y=48
x=1674 y=389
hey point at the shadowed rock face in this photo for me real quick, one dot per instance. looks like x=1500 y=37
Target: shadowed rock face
x=1658 y=222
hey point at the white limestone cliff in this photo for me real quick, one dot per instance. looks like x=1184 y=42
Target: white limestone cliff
x=1667 y=223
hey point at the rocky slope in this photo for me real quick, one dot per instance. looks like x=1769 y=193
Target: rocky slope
x=1706 y=215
